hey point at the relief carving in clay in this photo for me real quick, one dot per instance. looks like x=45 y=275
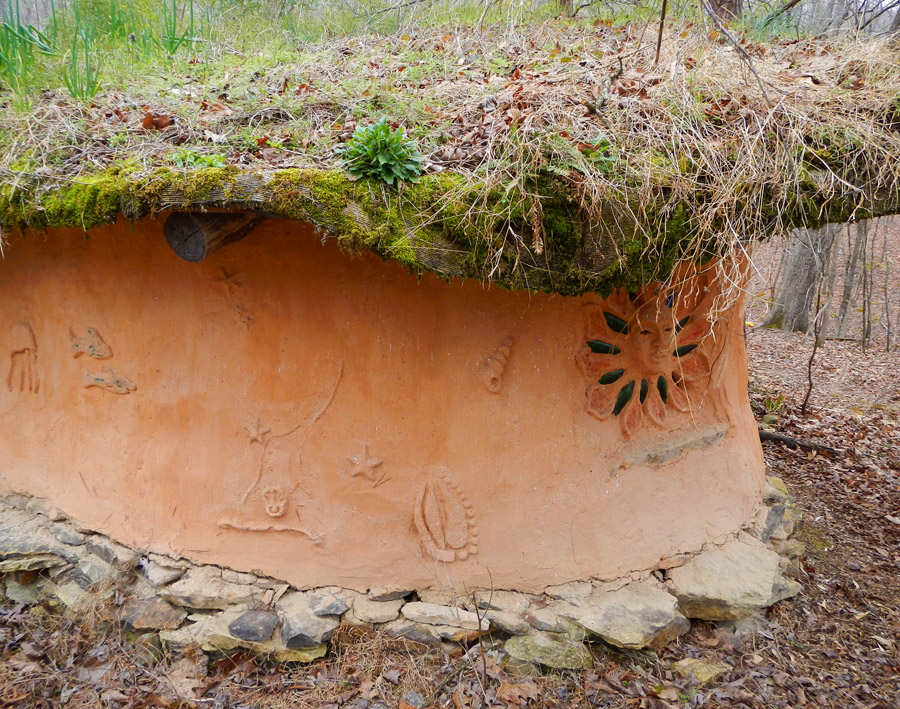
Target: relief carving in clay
x=109 y=380
x=91 y=344
x=23 y=369
x=444 y=520
x=279 y=460
x=494 y=366
x=275 y=501
x=364 y=465
x=229 y=279
x=644 y=351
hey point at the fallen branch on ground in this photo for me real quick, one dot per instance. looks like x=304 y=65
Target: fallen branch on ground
x=792 y=442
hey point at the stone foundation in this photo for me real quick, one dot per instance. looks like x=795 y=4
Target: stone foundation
x=46 y=557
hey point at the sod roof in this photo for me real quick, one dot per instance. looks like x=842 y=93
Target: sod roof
x=558 y=157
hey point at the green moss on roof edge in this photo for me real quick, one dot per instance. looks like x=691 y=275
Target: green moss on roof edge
x=549 y=245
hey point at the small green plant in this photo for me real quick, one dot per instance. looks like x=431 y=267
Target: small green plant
x=81 y=73
x=381 y=152
x=190 y=159
x=775 y=403
x=170 y=39
x=602 y=154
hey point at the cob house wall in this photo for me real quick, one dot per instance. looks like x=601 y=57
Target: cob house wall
x=281 y=407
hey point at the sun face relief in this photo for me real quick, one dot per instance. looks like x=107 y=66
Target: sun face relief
x=642 y=353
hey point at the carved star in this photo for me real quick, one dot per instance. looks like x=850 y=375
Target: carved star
x=229 y=280
x=257 y=433
x=364 y=464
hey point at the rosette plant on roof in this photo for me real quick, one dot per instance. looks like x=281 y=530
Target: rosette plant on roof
x=382 y=152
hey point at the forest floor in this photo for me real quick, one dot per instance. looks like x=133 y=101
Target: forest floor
x=836 y=645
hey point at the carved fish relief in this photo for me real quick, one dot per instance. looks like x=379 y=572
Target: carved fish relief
x=109 y=380
x=91 y=344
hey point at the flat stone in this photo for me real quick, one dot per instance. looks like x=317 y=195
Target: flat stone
x=37 y=505
x=574 y=592
x=774 y=517
x=24 y=534
x=791 y=548
x=169 y=561
x=775 y=490
x=431 y=614
x=257 y=626
x=366 y=611
x=32 y=562
x=545 y=619
x=328 y=603
x=641 y=614
x=509 y=601
x=384 y=593
x=703 y=672
x=506 y=622
x=111 y=552
x=158 y=575
x=443 y=597
x=29 y=593
x=727 y=583
x=273 y=648
x=211 y=634
x=301 y=627
x=73 y=597
x=407 y=629
x=17 y=501
x=200 y=629
x=203 y=589
x=93 y=570
x=152 y=614
x=238 y=577
x=520 y=668
x=66 y=534
x=549 y=650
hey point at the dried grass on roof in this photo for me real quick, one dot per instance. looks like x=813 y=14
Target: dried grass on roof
x=738 y=139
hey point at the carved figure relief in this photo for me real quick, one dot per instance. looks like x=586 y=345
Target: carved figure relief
x=444 y=520
x=643 y=351
x=109 y=380
x=276 y=501
x=275 y=488
x=92 y=344
x=23 y=360
x=364 y=465
x=495 y=365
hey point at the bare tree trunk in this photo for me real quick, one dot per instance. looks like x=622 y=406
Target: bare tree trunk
x=856 y=249
x=886 y=319
x=867 y=288
x=805 y=265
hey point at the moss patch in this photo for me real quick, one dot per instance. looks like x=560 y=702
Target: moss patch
x=443 y=224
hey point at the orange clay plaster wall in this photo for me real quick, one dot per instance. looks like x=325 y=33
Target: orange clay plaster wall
x=283 y=407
